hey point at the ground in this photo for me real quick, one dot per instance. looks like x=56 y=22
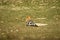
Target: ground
x=13 y=25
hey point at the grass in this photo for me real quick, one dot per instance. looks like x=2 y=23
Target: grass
x=12 y=23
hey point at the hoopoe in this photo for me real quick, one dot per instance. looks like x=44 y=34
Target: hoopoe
x=29 y=22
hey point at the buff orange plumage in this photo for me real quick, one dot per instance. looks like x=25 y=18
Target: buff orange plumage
x=28 y=18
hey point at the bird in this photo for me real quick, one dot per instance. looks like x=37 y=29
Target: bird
x=29 y=22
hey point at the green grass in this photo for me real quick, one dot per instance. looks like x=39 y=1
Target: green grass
x=12 y=24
